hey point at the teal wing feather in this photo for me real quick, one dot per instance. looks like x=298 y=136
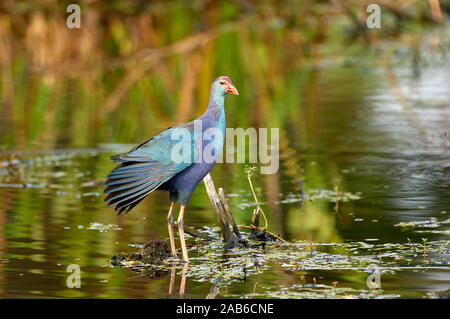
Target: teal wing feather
x=143 y=169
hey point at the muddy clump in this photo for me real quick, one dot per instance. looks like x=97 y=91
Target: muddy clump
x=259 y=235
x=153 y=252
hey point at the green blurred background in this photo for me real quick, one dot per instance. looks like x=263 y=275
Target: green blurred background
x=363 y=113
x=135 y=67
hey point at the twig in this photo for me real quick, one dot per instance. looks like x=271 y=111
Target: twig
x=228 y=211
x=230 y=239
x=255 y=217
x=435 y=10
x=264 y=230
x=194 y=233
x=249 y=177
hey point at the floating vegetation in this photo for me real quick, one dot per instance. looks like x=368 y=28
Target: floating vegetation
x=443 y=294
x=210 y=263
x=431 y=225
x=101 y=227
x=333 y=196
x=319 y=291
x=358 y=110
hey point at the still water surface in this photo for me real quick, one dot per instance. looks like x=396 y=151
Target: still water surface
x=390 y=158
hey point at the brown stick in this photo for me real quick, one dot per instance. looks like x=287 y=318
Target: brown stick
x=194 y=233
x=230 y=239
x=435 y=10
x=228 y=211
x=258 y=207
x=253 y=227
x=255 y=217
x=215 y=202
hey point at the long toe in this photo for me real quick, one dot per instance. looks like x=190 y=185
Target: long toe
x=173 y=258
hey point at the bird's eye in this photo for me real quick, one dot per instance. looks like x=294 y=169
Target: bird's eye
x=222 y=82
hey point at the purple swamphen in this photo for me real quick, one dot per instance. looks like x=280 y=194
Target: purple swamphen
x=157 y=164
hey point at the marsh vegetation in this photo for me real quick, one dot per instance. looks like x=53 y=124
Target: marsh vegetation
x=364 y=120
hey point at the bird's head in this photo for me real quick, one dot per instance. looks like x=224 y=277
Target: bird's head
x=223 y=85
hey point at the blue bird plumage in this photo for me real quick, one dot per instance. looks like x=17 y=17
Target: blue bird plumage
x=151 y=165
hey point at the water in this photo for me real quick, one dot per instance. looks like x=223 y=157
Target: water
x=368 y=139
x=349 y=131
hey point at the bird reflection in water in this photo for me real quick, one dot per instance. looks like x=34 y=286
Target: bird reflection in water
x=182 y=283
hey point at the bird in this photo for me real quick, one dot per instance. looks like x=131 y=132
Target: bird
x=172 y=161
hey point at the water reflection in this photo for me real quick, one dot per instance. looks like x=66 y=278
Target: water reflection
x=364 y=127
x=182 y=287
x=53 y=215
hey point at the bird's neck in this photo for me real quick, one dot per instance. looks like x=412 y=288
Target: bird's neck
x=217 y=100
x=215 y=110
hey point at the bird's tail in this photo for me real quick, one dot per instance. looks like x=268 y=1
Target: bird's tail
x=130 y=182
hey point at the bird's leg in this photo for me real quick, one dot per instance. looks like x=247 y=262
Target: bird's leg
x=170 y=227
x=172 y=281
x=181 y=233
x=183 y=280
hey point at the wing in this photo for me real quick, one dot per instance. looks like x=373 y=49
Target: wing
x=143 y=169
